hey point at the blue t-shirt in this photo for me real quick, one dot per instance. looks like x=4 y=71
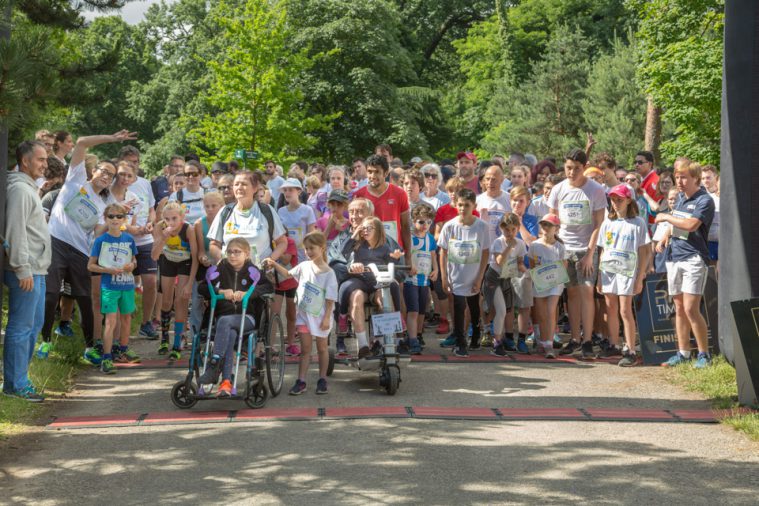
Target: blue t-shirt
x=700 y=206
x=115 y=252
x=421 y=258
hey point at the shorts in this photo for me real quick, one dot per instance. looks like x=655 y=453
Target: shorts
x=173 y=269
x=437 y=286
x=616 y=284
x=288 y=294
x=493 y=282
x=577 y=278
x=522 y=286
x=687 y=276
x=713 y=250
x=66 y=290
x=116 y=301
x=417 y=297
x=145 y=262
x=70 y=265
x=302 y=326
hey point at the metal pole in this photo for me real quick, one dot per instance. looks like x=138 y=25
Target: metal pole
x=5 y=35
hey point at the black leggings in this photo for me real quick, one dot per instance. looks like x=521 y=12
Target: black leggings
x=358 y=283
x=85 y=309
x=460 y=303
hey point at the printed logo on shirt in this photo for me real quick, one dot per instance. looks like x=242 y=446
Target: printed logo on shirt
x=232 y=228
x=391 y=202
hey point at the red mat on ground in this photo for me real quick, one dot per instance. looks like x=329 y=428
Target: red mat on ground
x=187 y=416
x=542 y=414
x=631 y=414
x=704 y=415
x=454 y=413
x=371 y=412
x=277 y=414
x=92 y=421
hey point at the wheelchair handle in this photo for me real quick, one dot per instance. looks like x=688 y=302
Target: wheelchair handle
x=217 y=296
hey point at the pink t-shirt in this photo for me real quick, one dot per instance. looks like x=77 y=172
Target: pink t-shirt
x=322 y=223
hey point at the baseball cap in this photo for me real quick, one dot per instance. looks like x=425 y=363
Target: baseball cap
x=291 y=182
x=550 y=218
x=338 y=195
x=466 y=154
x=621 y=190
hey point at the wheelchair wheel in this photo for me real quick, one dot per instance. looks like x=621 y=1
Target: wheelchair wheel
x=183 y=395
x=393 y=379
x=274 y=342
x=256 y=394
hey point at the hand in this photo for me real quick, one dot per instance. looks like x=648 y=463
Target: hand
x=586 y=264
x=447 y=287
x=238 y=295
x=326 y=322
x=413 y=272
x=187 y=289
x=49 y=183
x=204 y=260
x=227 y=294
x=599 y=290
x=661 y=217
x=356 y=268
x=590 y=142
x=128 y=267
x=267 y=263
x=148 y=228
x=26 y=284
x=661 y=246
x=433 y=275
x=477 y=285
x=396 y=254
x=124 y=135
x=166 y=232
x=638 y=286
x=113 y=271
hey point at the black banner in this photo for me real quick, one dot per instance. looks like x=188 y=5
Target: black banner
x=746 y=314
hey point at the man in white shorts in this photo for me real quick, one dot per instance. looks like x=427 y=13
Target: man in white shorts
x=687 y=260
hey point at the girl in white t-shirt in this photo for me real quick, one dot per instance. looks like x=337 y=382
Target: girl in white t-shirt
x=624 y=243
x=316 y=295
x=298 y=219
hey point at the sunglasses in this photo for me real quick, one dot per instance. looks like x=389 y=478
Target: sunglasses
x=223 y=188
x=116 y=216
x=430 y=175
x=640 y=162
x=423 y=222
x=192 y=174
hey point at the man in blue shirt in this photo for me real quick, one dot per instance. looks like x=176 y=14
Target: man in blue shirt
x=687 y=260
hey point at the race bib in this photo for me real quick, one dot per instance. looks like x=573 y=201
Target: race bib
x=464 y=252
x=176 y=255
x=509 y=269
x=548 y=276
x=391 y=229
x=614 y=261
x=82 y=210
x=494 y=220
x=575 y=212
x=679 y=233
x=422 y=262
x=313 y=299
x=296 y=234
x=116 y=256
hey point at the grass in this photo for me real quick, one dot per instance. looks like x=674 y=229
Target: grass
x=718 y=384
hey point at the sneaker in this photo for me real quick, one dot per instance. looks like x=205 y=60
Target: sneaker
x=129 y=357
x=292 y=350
x=628 y=360
x=364 y=352
x=596 y=339
x=531 y=340
x=377 y=348
x=163 y=348
x=321 y=387
x=342 y=323
x=175 y=354
x=147 y=331
x=509 y=344
x=115 y=352
x=460 y=351
x=487 y=339
x=675 y=360
x=92 y=356
x=415 y=347
x=522 y=347
x=64 y=330
x=99 y=347
x=298 y=388
x=569 y=348
x=550 y=353
x=340 y=345
x=225 y=389
x=610 y=351
x=107 y=366
x=421 y=341
x=403 y=348
x=557 y=342
x=432 y=321
x=587 y=349
x=499 y=351
x=211 y=374
x=444 y=327
x=28 y=394
x=448 y=342
x=703 y=361
x=604 y=344
x=474 y=345
x=43 y=350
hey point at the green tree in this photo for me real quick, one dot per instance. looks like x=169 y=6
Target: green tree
x=680 y=66
x=615 y=106
x=544 y=115
x=253 y=94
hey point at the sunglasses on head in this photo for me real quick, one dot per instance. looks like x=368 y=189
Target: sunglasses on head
x=116 y=216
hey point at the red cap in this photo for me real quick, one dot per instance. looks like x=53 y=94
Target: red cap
x=466 y=154
x=551 y=218
x=621 y=190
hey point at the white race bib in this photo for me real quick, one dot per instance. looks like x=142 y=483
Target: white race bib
x=509 y=268
x=575 y=212
x=391 y=229
x=313 y=299
x=464 y=252
x=422 y=262
x=82 y=210
x=548 y=276
x=116 y=256
x=614 y=261
x=680 y=233
x=494 y=220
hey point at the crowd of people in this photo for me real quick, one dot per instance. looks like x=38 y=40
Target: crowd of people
x=501 y=252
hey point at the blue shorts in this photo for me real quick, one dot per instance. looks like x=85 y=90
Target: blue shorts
x=417 y=297
x=713 y=250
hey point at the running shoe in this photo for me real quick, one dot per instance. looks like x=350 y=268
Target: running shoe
x=175 y=354
x=292 y=350
x=163 y=348
x=340 y=345
x=421 y=341
x=321 y=387
x=364 y=352
x=448 y=342
x=416 y=347
x=702 y=361
x=211 y=374
x=531 y=340
x=107 y=366
x=587 y=349
x=44 y=350
x=509 y=344
x=557 y=342
x=487 y=338
x=403 y=348
x=28 y=394
x=569 y=348
x=147 y=331
x=460 y=351
x=99 y=347
x=675 y=360
x=499 y=351
x=628 y=360
x=474 y=345
x=522 y=347
x=128 y=357
x=432 y=321
x=92 y=356
x=550 y=353
x=64 y=330
x=298 y=388
x=610 y=351
x=342 y=323
x=377 y=348
x=444 y=327
x=225 y=389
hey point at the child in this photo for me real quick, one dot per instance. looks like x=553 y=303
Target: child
x=507 y=254
x=175 y=248
x=546 y=250
x=416 y=291
x=299 y=219
x=317 y=294
x=317 y=199
x=285 y=290
x=336 y=220
x=212 y=204
x=463 y=261
x=231 y=278
x=113 y=256
x=624 y=241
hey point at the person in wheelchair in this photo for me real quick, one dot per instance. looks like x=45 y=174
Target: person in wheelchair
x=367 y=245
x=232 y=277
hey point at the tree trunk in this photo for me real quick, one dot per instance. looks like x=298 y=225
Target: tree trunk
x=653 y=130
